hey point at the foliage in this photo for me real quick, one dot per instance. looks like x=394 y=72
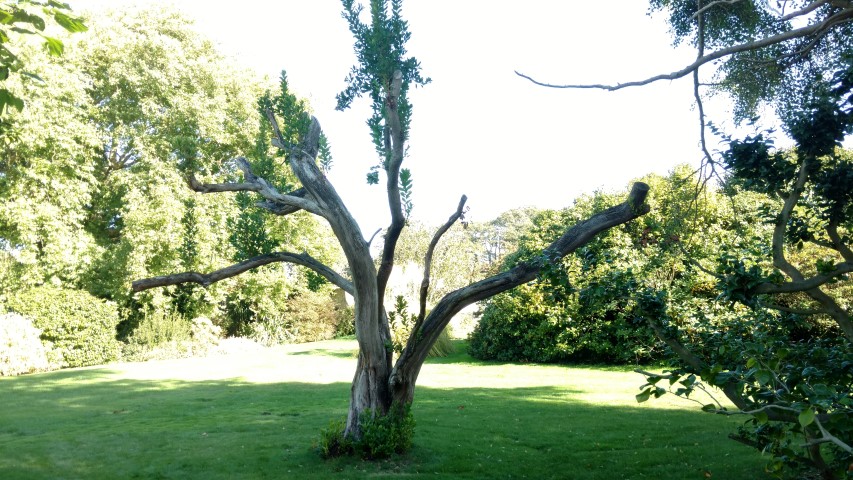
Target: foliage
x=769 y=73
x=159 y=327
x=136 y=97
x=462 y=255
x=402 y=322
x=380 y=51
x=382 y=435
x=164 y=335
x=443 y=345
x=785 y=360
x=590 y=307
x=205 y=334
x=21 y=350
x=333 y=443
x=17 y=18
x=782 y=368
x=79 y=327
x=271 y=312
x=381 y=54
x=93 y=172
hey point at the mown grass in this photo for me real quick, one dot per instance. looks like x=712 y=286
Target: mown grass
x=257 y=415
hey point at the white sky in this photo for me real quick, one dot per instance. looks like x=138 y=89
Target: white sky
x=478 y=129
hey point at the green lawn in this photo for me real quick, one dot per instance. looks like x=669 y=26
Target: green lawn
x=258 y=414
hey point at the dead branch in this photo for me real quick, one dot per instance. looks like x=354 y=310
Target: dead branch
x=206 y=280
x=459 y=213
x=843 y=16
x=276 y=202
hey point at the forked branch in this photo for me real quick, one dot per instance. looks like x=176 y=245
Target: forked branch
x=275 y=202
x=408 y=365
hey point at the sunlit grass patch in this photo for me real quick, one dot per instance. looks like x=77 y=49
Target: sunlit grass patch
x=257 y=414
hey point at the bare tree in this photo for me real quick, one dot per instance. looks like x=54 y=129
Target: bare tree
x=385 y=76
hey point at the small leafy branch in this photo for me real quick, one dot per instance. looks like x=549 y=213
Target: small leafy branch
x=17 y=18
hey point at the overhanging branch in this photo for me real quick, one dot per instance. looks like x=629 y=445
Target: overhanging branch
x=206 y=280
x=805 y=284
x=843 y=16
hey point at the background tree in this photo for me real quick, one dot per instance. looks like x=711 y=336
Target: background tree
x=381 y=389
x=93 y=186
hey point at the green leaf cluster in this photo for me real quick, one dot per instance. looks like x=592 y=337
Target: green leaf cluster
x=380 y=49
x=17 y=18
x=764 y=75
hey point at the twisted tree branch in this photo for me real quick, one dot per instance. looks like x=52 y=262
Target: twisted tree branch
x=275 y=202
x=206 y=280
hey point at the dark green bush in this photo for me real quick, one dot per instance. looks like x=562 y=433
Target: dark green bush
x=515 y=327
x=599 y=324
x=384 y=435
x=77 y=325
x=333 y=442
x=381 y=435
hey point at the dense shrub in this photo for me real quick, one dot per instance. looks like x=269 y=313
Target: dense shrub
x=81 y=328
x=590 y=306
x=21 y=350
x=382 y=435
x=281 y=318
x=515 y=326
x=163 y=335
x=158 y=327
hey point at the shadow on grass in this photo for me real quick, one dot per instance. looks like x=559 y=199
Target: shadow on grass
x=81 y=424
x=460 y=356
x=347 y=354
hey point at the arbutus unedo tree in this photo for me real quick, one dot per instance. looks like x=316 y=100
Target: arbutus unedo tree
x=786 y=362
x=384 y=73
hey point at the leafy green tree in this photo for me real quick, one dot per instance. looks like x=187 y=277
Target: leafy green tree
x=93 y=172
x=384 y=73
